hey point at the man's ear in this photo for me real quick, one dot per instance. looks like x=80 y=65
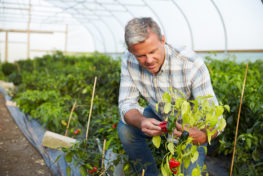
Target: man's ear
x=163 y=39
x=130 y=49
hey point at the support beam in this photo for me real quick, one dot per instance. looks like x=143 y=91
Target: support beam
x=28 y=30
x=31 y=31
x=66 y=39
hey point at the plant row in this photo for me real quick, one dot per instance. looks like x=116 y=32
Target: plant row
x=47 y=88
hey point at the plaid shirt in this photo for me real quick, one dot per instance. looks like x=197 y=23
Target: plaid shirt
x=182 y=70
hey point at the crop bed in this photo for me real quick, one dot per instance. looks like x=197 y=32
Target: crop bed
x=47 y=88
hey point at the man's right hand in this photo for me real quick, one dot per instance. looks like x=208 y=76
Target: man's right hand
x=149 y=126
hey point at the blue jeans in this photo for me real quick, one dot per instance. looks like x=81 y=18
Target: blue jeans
x=134 y=143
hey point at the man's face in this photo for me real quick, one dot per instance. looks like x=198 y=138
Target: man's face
x=150 y=53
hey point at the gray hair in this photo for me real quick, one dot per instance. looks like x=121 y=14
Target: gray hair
x=137 y=30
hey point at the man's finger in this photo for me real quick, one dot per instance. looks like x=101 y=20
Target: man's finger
x=155 y=122
x=179 y=126
x=177 y=133
x=154 y=125
x=152 y=132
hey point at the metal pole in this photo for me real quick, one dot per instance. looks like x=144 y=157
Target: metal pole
x=223 y=23
x=28 y=30
x=157 y=16
x=187 y=22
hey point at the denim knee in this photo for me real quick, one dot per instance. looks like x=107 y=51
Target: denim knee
x=125 y=133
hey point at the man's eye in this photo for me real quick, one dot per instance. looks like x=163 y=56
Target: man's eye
x=140 y=57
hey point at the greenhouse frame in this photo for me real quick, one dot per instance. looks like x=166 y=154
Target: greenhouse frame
x=69 y=84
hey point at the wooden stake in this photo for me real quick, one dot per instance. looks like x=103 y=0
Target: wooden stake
x=233 y=157
x=72 y=109
x=143 y=172
x=90 y=111
x=103 y=154
x=6 y=46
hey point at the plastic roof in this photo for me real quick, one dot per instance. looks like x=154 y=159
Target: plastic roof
x=202 y=25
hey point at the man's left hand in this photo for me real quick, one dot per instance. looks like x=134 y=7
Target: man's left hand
x=199 y=136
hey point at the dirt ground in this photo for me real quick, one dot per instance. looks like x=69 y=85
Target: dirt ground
x=17 y=156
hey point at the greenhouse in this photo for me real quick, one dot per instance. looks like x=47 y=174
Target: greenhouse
x=131 y=87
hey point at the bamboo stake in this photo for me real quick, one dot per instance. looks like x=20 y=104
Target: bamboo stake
x=233 y=157
x=6 y=46
x=72 y=109
x=143 y=172
x=103 y=154
x=90 y=111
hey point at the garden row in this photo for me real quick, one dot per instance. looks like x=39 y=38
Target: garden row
x=47 y=88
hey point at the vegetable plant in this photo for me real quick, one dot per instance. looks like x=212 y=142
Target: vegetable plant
x=201 y=113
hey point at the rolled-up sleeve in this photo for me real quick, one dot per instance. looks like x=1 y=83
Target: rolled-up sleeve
x=128 y=93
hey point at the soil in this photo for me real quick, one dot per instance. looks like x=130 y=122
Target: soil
x=17 y=156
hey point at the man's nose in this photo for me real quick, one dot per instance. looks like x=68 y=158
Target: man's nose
x=149 y=59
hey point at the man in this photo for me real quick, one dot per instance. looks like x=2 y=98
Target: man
x=149 y=68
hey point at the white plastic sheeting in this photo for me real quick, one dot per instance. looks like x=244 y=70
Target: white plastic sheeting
x=201 y=25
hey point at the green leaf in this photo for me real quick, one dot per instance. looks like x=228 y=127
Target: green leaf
x=167 y=97
x=82 y=171
x=126 y=167
x=222 y=124
x=68 y=157
x=256 y=155
x=227 y=108
x=185 y=107
x=187 y=119
x=58 y=158
x=211 y=120
x=89 y=166
x=248 y=141
x=164 y=170
x=219 y=111
x=209 y=135
x=186 y=162
x=167 y=108
x=204 y=167
x=156 y=141
x=68 y=171
x=157 y=107
x=108 y=143
x=171 y=147
x=196 y=172
x=205 y=150
x=195 y=157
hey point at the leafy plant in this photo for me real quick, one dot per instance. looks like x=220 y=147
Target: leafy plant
x=84 y=155
x=8 y=68
x=204 y=114
x=227 y=79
